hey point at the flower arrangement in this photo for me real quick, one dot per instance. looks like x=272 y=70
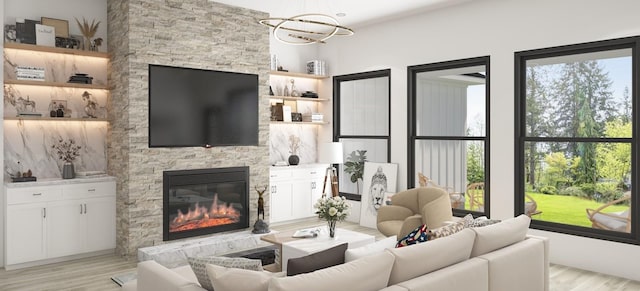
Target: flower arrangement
x=332 y=208
x=67 y=150
x=294 y=144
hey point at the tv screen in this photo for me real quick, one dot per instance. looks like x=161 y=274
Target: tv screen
x=193 y=107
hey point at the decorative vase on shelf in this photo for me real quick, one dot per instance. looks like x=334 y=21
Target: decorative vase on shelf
x=68 y=171
x=294 y=160
x=332 y=227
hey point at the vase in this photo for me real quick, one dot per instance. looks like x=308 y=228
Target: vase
x=332 y=227
x=294 y=160
x=68 y=171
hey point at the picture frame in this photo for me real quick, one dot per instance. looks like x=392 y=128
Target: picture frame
x=61 y=26
x=379 y=181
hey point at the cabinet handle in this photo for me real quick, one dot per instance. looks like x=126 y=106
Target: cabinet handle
x=37 y=194
x=44 y=213
x=80 y=208
x=313 y=185
x=85 y=208
x=313 y=173
x=92 y=190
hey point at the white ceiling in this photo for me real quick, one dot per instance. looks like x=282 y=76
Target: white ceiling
x=358 y=12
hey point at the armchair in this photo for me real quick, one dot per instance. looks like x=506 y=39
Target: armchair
x=412 y=208
x=616 y=221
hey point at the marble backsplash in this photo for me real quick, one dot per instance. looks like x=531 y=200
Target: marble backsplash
x=279 y=145
x=30 y=142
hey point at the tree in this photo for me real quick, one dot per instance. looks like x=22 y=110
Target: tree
x=587 y=170
x=537 y=104
x=475 y=165
x=614 y=159
x=556 y=169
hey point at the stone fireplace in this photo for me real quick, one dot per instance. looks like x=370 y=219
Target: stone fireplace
x=205 y=201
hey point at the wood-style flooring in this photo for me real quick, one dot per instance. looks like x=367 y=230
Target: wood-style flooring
x=94 y=273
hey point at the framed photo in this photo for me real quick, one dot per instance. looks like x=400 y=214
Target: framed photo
x=61 y=26
x=379 y=181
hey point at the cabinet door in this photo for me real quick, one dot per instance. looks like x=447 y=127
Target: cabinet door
x=316 y=191
x=25 y=233
x=280 y=207
x=301 y=199
x=101 y=223
x=66 y=228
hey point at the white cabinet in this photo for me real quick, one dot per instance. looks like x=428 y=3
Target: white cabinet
x=58 y=220
x=294 y=190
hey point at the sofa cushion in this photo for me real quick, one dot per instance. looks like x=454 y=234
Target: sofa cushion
x=199 y=269
x=418 y=235
x=320 y=260
x=232 y=279
x=420 y=259
x=499 y=235
x=373 y=248
x=472 y=275
x=437 y=211
x=154 y=276
x=364 y=274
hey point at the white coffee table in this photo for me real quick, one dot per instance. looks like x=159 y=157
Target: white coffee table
x=307 y=246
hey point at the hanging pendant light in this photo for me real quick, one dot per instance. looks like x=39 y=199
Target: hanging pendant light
x=305 y=29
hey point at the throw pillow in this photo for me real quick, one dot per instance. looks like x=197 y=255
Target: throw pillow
x=499 y=235
x=198 y=267
x=481 y=221
x=364 y=274
x=418 y=235
x=316 y=261
x=446 y=230
x=231 y=279
x=373 y=248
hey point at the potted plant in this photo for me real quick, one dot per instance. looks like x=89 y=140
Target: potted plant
x=67 y=150
x=355 y=166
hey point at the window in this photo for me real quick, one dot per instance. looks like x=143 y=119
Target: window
x=448 y=130
x=576 y=138
x=361 y=123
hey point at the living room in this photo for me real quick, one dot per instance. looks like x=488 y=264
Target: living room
x=136 y=36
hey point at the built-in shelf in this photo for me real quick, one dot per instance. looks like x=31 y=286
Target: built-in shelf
x=297 y=98
x=297 y=75
x=58 y=50
x=55 y=84
x=301 y=122
x=53 y=118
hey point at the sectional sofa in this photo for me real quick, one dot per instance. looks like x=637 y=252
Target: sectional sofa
x=492 y=258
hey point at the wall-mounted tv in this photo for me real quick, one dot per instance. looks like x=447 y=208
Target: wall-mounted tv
x=204 y=108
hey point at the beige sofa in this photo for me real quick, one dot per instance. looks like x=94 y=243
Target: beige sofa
x=492 y=258
x=412 y=208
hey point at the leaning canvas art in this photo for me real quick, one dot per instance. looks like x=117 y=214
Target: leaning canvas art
x=379 y=180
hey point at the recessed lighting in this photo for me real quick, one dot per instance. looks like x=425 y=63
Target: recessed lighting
x=341 y=14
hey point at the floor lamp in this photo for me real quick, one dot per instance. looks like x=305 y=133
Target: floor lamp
x=330 y=153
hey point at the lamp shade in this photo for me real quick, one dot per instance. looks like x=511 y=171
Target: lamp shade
x=330 y=153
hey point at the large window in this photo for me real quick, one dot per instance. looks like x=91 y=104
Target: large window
x=576 y=132
x=361 y=124
x=448 y=131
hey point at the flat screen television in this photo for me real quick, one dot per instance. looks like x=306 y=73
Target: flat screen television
x=204 y=108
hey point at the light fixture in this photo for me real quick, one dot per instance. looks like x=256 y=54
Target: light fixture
x=305 y=28
x=330 y=153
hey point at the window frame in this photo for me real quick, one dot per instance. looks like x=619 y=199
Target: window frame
x=412 y=136
x=520 y=134
x=337 y=135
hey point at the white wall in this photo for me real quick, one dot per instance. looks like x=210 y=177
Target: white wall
x=61 y=9
x=2 y=4
x=497 y=28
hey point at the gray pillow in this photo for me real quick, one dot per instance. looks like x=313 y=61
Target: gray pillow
x=198 y=265
x=320 y=260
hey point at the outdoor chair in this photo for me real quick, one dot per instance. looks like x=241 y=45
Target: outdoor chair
x=530 y=206
x=616 y=221
x=475 y=193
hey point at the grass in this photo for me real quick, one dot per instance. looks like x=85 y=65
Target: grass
x=567 y=209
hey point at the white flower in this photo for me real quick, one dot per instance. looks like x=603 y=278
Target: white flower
x=333 y=211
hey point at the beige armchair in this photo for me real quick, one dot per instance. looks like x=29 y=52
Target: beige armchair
x=412 y=208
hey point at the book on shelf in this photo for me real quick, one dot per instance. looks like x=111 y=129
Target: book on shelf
x=29 y=114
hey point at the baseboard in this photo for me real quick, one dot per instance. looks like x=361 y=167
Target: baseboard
x=58 y=260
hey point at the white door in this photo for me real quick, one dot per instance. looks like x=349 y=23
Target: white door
x=101 y=223
x=280 y=207
x=316 y=192
x=25 y=230
x=66 y=228
x=301 y=199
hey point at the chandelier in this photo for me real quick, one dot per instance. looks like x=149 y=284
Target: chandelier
x=305 y=28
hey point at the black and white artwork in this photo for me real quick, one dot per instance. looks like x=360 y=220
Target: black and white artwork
x=379 y=179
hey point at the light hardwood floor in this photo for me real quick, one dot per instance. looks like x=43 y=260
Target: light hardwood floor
x=94 y=273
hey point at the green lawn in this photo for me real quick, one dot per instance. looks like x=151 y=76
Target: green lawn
x=567 y=209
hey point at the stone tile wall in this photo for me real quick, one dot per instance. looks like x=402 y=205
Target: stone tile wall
x=187 y=33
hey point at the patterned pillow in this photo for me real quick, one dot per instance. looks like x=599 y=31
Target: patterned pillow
x=481 y=221
x=447 y=230
x=198 y=265
x=418 y=235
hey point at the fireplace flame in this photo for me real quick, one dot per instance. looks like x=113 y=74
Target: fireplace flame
x=201 y=217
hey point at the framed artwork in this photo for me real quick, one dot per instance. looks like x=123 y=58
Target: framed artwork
x=379 y=180
x=61 y=26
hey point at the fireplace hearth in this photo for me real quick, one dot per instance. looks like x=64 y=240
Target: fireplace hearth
x=205 y=201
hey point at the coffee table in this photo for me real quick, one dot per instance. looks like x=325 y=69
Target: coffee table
x=298 y=247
